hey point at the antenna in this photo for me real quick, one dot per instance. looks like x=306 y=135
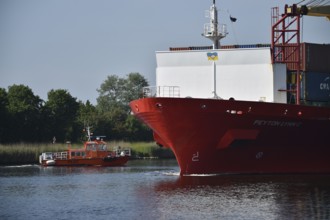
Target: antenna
x=211 y=30
x=89 y=134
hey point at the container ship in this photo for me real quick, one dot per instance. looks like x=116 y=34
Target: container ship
x=244 y=109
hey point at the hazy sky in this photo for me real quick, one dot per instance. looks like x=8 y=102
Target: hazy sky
x=76 y=44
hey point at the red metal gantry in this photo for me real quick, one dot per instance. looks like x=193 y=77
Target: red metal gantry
x=286 y=43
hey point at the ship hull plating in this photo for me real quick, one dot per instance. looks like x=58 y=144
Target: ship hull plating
x=210 y=136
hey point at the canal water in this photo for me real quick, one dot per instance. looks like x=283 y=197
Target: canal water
x=153 y=189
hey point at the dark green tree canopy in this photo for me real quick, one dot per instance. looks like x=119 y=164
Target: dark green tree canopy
x=24 y=113
x=3 y=99
x=27 y=118
x=4 y=117
x=113 y=105
x=118 y=92
x=22 y=100
x=61 y=103
x=87 y=113
x=62 y=109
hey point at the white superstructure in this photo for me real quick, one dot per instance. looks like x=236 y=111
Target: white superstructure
x=242 y=74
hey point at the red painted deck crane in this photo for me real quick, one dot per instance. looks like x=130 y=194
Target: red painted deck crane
x=286 y=30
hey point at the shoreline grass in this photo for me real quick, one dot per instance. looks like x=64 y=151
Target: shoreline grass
x=28 y=153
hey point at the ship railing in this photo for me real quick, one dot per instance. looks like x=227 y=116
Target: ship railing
x=60 y=155
x=161 y=91
x=47 y=156
x=120 y=151
x=210 y=31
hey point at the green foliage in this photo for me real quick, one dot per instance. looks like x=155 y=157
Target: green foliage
x=4 y=120
x=26 y=118
x=113 y=105
x=150 y=149
x=27 y=153
x=21 y=100
x=116 y=93
x=62 y=109
x=86 y=114
x=24 y=113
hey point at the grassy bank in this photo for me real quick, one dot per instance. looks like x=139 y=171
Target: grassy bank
x=23 y=153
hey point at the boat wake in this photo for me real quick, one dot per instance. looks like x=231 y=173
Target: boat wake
x=171 y=173
x=21 y=166
x=164 y=173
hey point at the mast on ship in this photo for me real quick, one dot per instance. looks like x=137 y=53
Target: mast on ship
x=211 y=30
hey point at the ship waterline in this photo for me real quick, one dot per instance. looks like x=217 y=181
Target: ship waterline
x=210 y=136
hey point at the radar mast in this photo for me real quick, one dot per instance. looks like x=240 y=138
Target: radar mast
x=211 y=30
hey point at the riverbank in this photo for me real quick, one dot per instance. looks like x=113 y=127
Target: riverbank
x=23 y=153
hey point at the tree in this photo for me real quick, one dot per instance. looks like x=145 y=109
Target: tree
x=62 y=109
x=87 y=116
x=24 y=110
x=136 y=130
x=118 y=92
x=110 y=94
x=87 y=113
x=3 y=116
x=134 y=86
x=113 y=105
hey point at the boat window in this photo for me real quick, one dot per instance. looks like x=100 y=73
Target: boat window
x=91 y=147
x=101 y=147
x=78 y=154
x=48 y=156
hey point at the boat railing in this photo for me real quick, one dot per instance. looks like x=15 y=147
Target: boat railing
x=120 y=151
x=161 y=91
x=47 y=156
x=60 y=155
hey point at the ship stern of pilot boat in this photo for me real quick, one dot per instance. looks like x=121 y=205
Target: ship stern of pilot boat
x=47 y=159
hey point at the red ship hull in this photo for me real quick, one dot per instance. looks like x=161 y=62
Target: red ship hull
x=210 y=136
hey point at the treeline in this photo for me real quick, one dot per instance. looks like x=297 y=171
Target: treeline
x=24 y=117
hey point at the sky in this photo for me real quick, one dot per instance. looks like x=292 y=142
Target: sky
x=76 y=44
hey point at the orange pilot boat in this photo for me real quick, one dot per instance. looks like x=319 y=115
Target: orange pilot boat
x=94 y=153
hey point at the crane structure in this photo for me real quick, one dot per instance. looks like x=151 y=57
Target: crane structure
x=286 y=47
x=320 y=11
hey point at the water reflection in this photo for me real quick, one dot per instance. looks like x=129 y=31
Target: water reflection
x=154 y=190
x=249 y=196
x=133 y=166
